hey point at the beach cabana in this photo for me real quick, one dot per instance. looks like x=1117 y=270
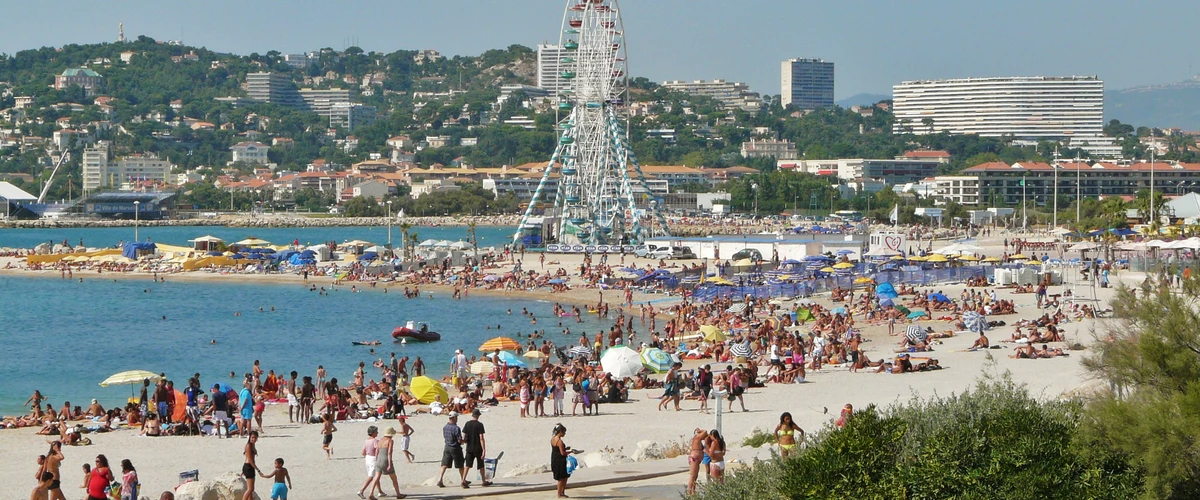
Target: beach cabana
x=206 y=243
x=253 y=242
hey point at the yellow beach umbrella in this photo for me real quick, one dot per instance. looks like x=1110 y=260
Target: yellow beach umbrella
x=428 y=390
x=937 y=258
x=130 y=377
x=720 y=282
x=534 y=354
x=897 y=257
x=501 y=343
x=827 y=269
x=843 y=265
x=711 y=333
x=253 y=242
x=918 y=258
x=991 y=259
x=1018 y=257
x=971 y=258
x=862 y=279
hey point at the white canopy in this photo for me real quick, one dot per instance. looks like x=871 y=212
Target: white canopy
x=1084 y=245
x=881 y=252
x=207 y=239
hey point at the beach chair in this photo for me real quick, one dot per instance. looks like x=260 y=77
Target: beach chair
x=490 y=465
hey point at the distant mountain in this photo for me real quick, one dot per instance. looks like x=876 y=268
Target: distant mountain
x=1160 y=106
x=863 y=100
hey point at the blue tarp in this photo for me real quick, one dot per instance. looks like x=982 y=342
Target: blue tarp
x=368 y=256
x=132 y=248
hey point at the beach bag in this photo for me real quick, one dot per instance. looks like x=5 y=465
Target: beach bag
x=572 y=464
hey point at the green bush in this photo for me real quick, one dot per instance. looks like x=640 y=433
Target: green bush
x=994 y=441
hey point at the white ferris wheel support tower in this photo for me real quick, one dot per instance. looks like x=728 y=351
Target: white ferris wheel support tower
x=597 y=171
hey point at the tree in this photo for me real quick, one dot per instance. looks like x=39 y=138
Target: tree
x=1150 y=358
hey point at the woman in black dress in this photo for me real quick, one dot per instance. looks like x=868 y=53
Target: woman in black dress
x=558 y=459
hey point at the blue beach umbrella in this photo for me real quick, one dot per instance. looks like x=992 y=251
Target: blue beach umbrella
x=511 y=359
x=656 y=360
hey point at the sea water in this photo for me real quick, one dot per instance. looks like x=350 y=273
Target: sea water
x=489 y=236
x=63 y=336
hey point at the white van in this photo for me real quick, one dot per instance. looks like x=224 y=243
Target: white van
x=672 y=253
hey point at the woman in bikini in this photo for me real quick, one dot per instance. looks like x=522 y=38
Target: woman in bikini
x=249 y=468
x=786 y=434
x=695 y=456
x=715 y=449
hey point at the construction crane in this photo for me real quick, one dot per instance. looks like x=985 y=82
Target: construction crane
x=46 y=188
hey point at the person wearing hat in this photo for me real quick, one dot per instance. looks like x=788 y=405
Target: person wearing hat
x=95 y=410
x=452 y=454
x=476 y=445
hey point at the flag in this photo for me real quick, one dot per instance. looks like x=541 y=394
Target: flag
x=895 y=217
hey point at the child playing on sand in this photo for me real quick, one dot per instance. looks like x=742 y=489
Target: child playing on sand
x=327 y=431
x=282 y=481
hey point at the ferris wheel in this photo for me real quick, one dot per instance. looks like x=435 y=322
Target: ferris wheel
x=598 y=178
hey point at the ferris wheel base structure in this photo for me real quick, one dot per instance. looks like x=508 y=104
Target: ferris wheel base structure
x=598 y=175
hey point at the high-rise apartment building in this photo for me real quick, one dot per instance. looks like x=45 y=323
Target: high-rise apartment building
x=552 y=60
x=269 y=87
x=1036 y=108
x=806 y=83
x=729 y=94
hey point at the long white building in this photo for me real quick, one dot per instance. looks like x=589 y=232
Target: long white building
x=1022 y=107
x=729 y=94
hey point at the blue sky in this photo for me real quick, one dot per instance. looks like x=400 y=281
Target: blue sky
x=875 y=43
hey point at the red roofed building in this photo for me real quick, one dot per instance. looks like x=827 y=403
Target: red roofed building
x=938 y=156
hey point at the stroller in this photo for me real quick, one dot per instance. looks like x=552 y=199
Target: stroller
x=489 y=467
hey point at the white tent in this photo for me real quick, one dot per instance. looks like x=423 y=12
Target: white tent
x=428 y=243
x=1085 y=245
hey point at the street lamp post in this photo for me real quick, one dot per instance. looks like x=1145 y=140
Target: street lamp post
x=389 y=212
x=1078 y=195
x=1152 y=219
x=135 y=220
x=754 y=186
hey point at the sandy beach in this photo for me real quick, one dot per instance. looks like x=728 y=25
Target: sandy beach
x=525 y=441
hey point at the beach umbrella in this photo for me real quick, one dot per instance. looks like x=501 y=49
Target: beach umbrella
x=501 y=343
x=862 y=279
x=901 y=308
x=428 y=390
x=916 y=314
x=534 y=354
x=621 y=362
x=1018 y=257
x=845 y=252
x=711 y=333
x=511 y=359
x=740 y=350
x=130 y=377
x=482 y=367
x=940 y=297
x=991 y=259
x=886 y=290
x=656 y=360
x=804 y=314
x=720 y=282
x=937 y=257
x=886 y=303
x=974 y=321
x=580 y=352
x=916 y=334
x=828 y=269
x=844 y=265
x=971 y=258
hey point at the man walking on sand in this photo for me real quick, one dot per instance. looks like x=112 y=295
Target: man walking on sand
x=476 y=445
x=452 y=454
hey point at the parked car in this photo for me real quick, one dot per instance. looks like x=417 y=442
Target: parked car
x=747 y=253
x=672 y=253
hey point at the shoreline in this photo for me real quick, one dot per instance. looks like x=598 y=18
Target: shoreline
x=267 y=221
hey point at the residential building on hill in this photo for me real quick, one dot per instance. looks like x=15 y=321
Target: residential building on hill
x=552 y=61
x=99 y=172
x=806 y=83
x=729 y=94
x=780 y=150
x=1003 y=184
x=250 y=152
x=90 y=81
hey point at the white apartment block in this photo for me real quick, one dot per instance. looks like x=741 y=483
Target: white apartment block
x=1021 y=107
x=351 y=115
x=961 y=189
x=780 y=150
x=552 y=60
x=100 y=172
x=729 y=94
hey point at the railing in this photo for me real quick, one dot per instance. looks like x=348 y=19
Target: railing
x=923 y=277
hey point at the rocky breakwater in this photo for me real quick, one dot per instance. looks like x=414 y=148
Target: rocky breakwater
x=269 y=221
